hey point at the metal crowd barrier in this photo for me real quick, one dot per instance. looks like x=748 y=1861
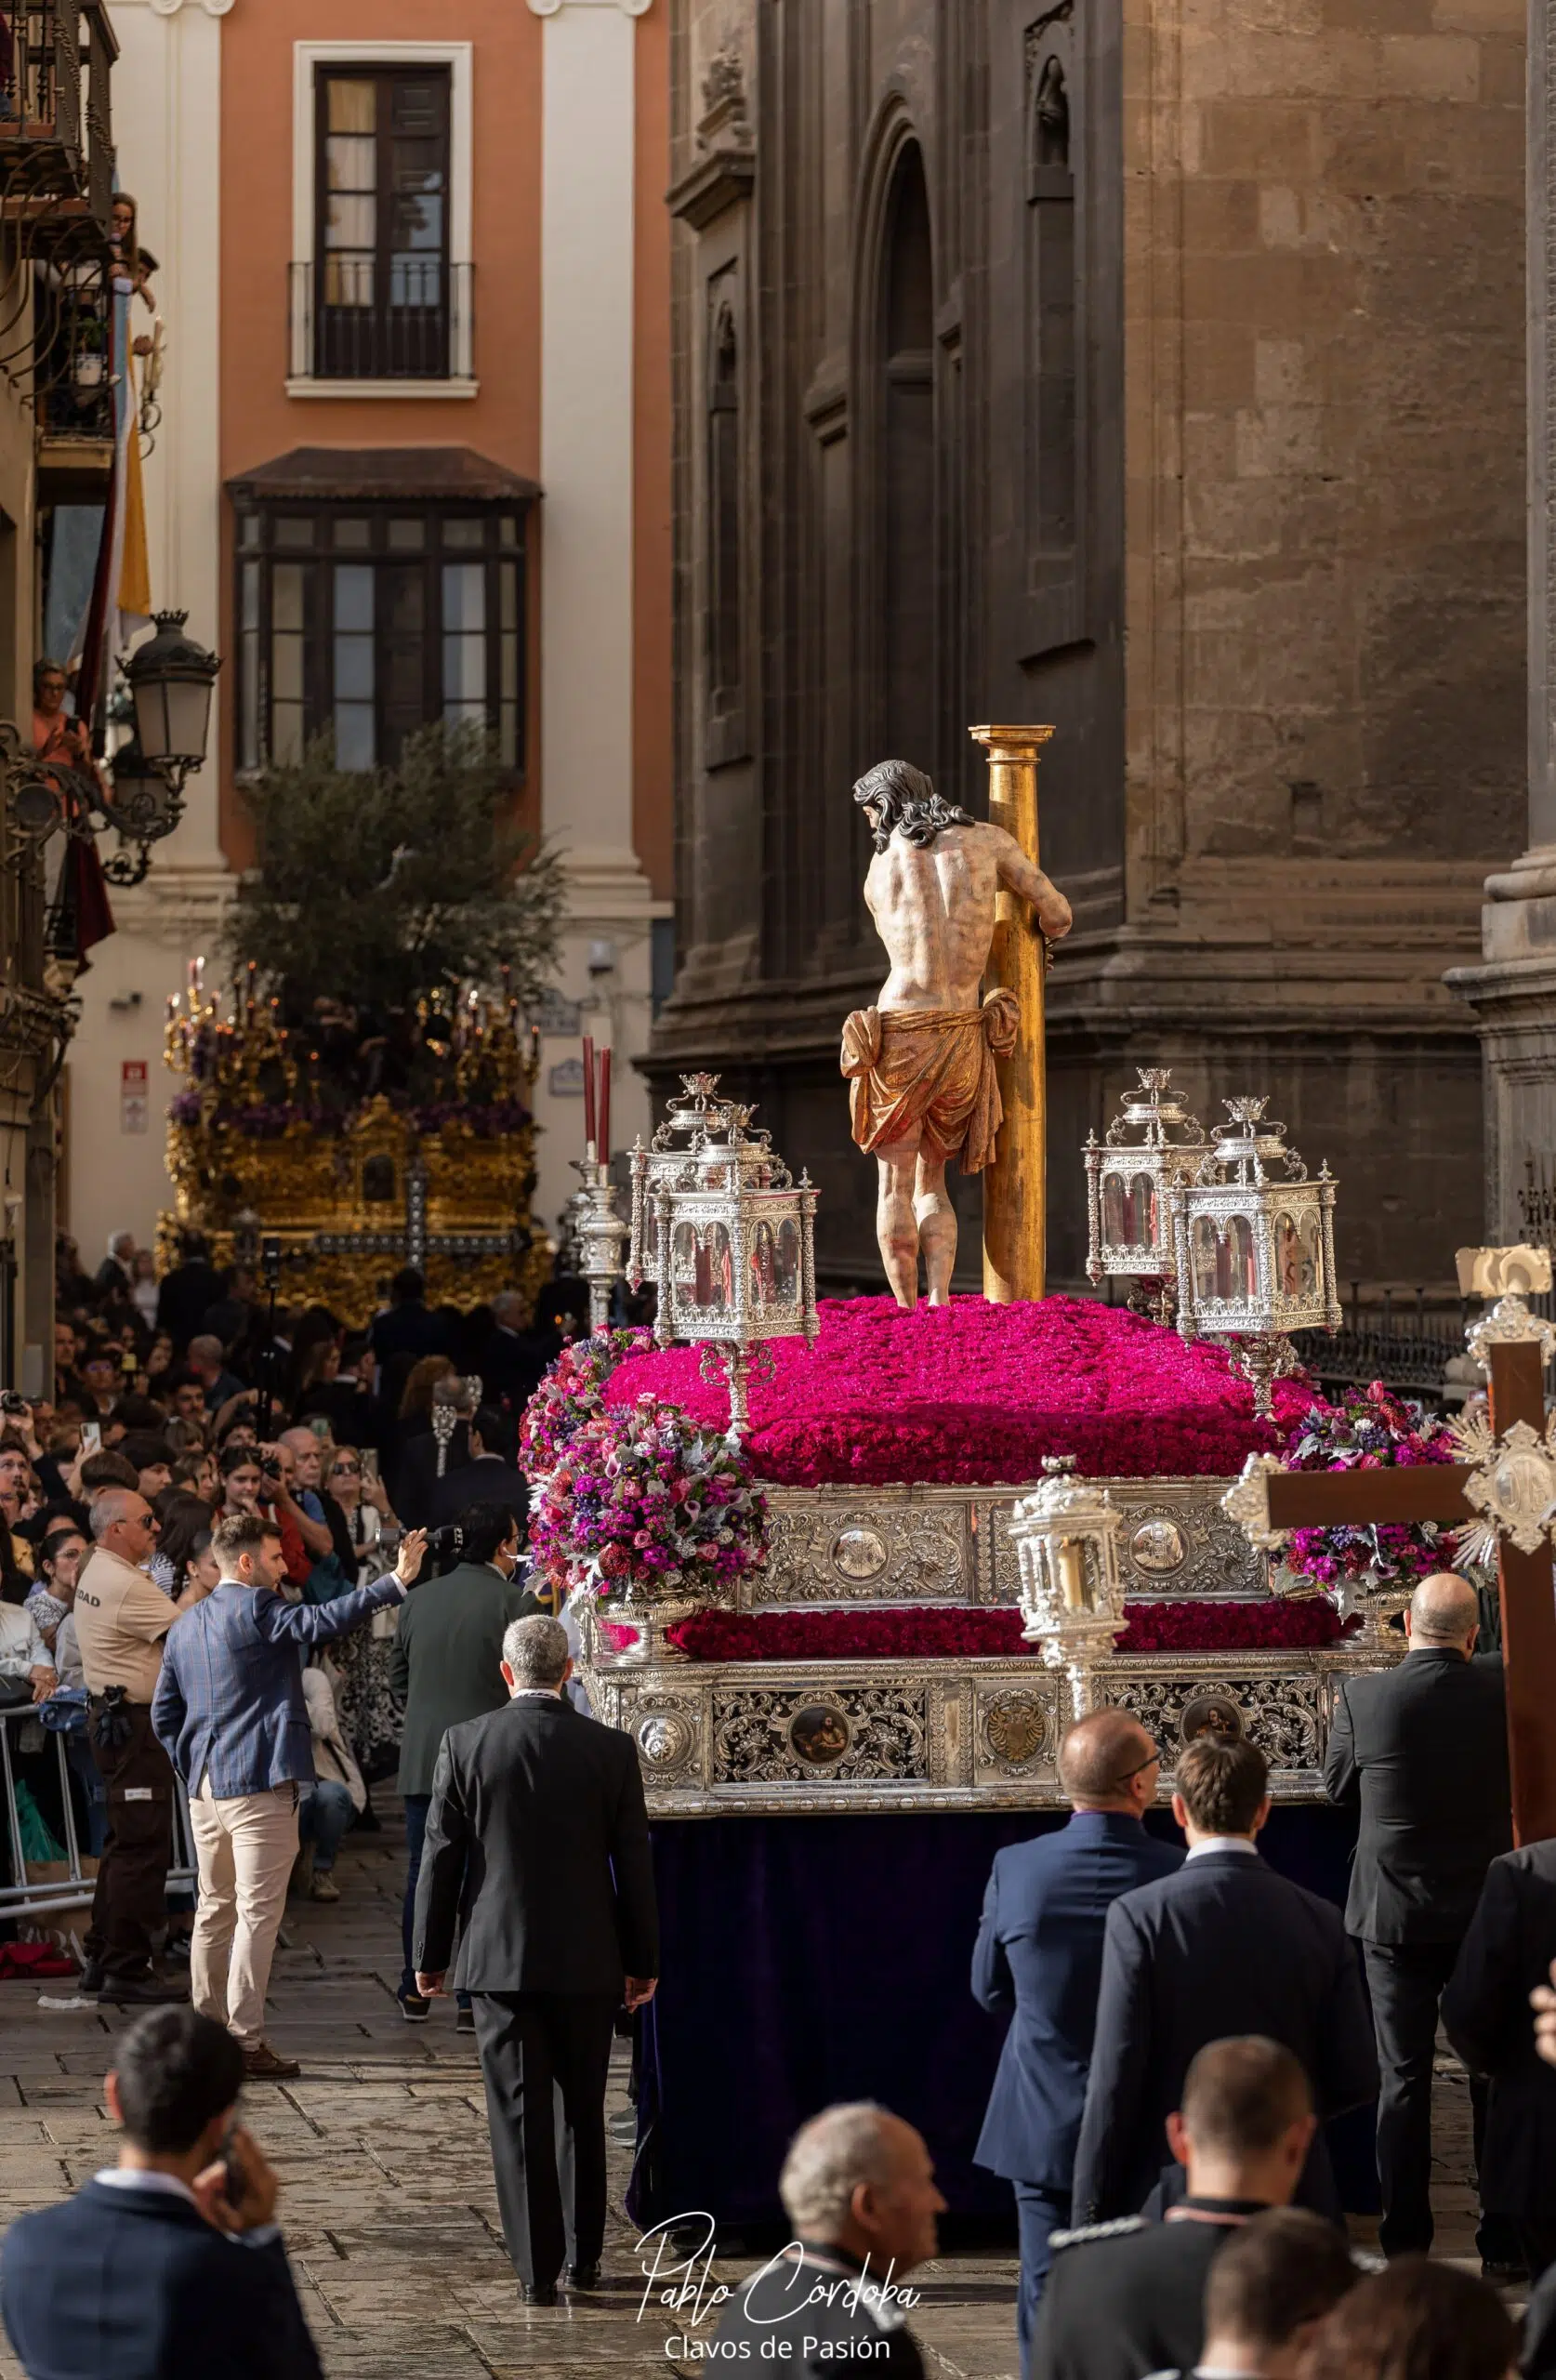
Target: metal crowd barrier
x=43 y=1899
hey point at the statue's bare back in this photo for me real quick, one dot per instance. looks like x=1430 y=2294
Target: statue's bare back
x=934 y=910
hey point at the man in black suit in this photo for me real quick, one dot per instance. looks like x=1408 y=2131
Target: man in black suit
x=1422 y=1750
x=1127 y=2298
x=406 y=1328
x=154 y=2270
x=1039 y=1955
x=1225 y=1945
x=480 y=1470
x=1504 y=1956
x=547 y=1808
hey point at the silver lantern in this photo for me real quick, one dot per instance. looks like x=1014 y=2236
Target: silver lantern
x=1151 y=1144
x=1071 y=1592
x=725 y=1235
x=1254 y=1240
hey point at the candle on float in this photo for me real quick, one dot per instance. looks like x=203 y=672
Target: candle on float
x=535 y=1047
x=605 y=1106
x=1072 y=1574
x=589 y=1135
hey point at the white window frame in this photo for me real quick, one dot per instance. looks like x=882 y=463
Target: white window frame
x=307 y=57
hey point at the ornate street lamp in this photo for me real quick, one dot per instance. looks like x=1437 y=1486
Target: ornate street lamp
x=1151 y=1144
x=725 y=1235
x=1071 y=1592
x=170 y=679
x=141 y=799
x=1254 y=1239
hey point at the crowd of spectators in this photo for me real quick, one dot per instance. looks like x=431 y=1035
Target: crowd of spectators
x=207 y=1397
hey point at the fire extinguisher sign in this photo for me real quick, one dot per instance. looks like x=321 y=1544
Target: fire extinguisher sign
x=135 y=1096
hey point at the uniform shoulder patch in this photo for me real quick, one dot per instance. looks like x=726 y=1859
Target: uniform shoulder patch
x=1114 y=2230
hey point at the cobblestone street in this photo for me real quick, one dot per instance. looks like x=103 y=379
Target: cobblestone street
x=388 y=2203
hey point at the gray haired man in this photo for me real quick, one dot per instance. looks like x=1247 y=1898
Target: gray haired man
x=546 y=1806
x=859 y=2190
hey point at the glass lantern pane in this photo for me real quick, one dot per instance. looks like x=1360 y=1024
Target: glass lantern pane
x=786 y=1285
x=1116 y=1219
x=1206 y=1252
x=1243 y=1263
x=764 y=1266
x=1288 y=1256
x=683 y=1266
x=716 y=1270
x=1142 y=1200
x=1313 y=1255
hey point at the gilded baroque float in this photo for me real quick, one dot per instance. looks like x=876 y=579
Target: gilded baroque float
x=356 y=1155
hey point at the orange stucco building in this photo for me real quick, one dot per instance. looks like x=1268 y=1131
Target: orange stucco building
x=415 y=462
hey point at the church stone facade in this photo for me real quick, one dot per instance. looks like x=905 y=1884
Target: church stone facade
x=1154 y=371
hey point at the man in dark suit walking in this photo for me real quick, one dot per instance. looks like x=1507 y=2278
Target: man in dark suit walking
x=1225 y=1945
x=158 y=2267
x=547 y=1808
x=1506 y=1956
x=1422 y=1750
x=1039 y=1956
x=447 y=1665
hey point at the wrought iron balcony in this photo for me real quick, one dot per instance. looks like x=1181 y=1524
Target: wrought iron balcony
x=412 y=320
x=56 y=124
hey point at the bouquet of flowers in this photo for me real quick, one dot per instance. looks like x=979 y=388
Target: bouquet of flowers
x=1368 y=1431
x=572 y=1392
x=644 y=1506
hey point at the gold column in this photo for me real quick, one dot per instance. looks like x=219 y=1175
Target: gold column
x=1015 y=1188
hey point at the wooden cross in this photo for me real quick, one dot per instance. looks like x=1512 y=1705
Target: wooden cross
x=1436 y=1492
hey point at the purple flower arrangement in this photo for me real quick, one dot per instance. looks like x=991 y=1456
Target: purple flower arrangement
x=1370 y=1429
x=973 y=1393
x=572 y=1393
x=644 y=1505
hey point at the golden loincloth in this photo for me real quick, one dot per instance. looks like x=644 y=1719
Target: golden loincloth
x=928 y=1075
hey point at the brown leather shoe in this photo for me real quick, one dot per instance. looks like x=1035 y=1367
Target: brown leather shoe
x=262 y=2064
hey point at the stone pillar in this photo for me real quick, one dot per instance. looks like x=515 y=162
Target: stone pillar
x=589 y=98
x=1513 y=990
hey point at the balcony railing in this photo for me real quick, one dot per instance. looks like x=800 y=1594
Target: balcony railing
x=345 y=326
x=56 y=128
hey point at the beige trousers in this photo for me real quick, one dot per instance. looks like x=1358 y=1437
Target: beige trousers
x=245 y=1848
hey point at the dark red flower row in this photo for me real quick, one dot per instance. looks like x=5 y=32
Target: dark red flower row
x=928 y=1632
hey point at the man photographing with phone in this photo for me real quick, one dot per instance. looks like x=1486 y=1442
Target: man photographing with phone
x=169 y=2262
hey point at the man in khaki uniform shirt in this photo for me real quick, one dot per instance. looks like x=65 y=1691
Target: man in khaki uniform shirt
x=121 y=1619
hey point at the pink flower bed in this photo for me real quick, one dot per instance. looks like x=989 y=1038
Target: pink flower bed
x=927 y=1632
x=977 y=1395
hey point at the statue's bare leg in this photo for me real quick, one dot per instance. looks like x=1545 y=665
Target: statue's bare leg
x=936 y=1218
x=896 y=1230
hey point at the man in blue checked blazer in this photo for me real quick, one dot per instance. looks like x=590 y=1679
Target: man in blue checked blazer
x=229 y=1713
x=1039 y=1954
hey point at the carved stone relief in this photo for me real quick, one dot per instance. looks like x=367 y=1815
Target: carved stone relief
x=796 y=1734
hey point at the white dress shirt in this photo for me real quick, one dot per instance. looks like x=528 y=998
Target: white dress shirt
x=1223 y=1843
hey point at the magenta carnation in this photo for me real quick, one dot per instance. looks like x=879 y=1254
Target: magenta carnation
x=976 y=1394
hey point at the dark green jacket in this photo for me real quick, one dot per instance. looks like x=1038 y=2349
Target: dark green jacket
x=447 y=1651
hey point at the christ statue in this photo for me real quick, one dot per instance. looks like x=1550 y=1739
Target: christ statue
x=921 y=1063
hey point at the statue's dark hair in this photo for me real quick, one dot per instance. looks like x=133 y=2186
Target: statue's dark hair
x=904 y=798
